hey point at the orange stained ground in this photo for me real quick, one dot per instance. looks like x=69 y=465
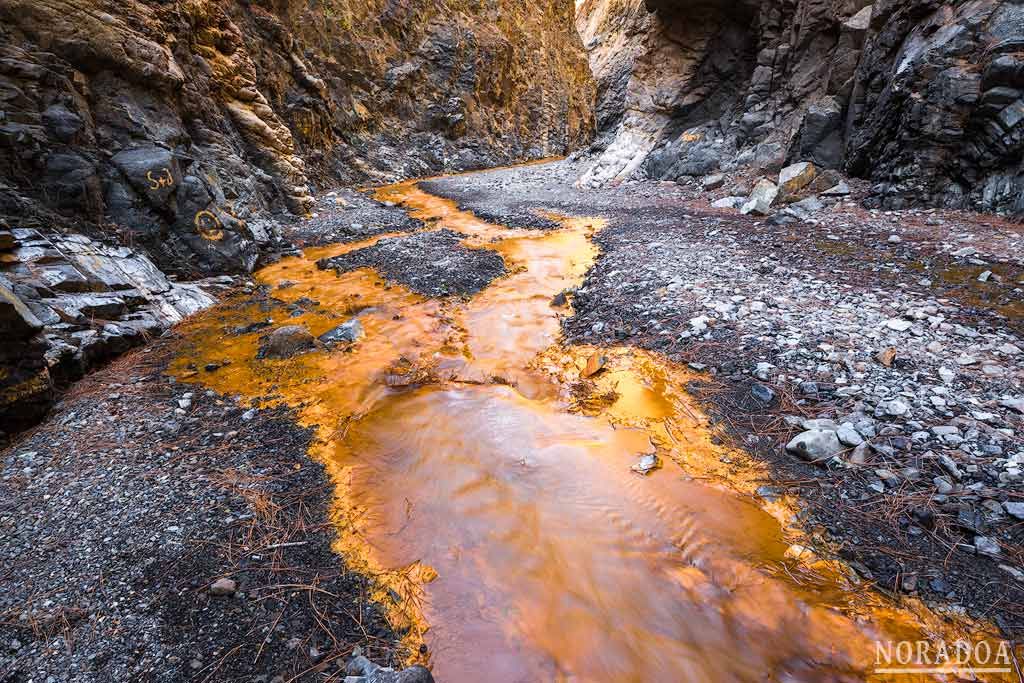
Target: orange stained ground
x=489 y=488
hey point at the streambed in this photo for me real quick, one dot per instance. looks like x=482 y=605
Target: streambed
x=486 y=475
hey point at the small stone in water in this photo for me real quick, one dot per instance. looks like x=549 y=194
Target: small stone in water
x=595 y=364
x=647 y=464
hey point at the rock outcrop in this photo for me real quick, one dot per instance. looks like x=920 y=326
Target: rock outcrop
x=180 y=126
x=921 y=97
x=147 y=138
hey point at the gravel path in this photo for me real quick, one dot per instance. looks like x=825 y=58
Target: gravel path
x=888 y=343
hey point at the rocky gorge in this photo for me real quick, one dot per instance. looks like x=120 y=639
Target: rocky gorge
x=179 y=131
x=759 y=331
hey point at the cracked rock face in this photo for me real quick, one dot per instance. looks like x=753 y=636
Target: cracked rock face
x=68 y=304
x=923 y=98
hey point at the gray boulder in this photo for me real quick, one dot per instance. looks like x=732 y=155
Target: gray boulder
x=815 y=445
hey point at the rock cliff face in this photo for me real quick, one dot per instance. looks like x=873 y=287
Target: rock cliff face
x=144 y=137
x=921 y=97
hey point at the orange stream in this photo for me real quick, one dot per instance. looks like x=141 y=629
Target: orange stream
x=489 y=489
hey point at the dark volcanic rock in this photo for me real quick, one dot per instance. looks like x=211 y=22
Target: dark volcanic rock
x=429 y=263
x=923 y=98
x=25 y=386
x=285 y=342
x=183 y=128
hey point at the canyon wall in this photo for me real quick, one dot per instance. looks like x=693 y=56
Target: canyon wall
x=140 y=139
x=921 y=97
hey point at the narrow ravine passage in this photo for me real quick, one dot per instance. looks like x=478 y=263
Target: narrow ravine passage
x=484 y=474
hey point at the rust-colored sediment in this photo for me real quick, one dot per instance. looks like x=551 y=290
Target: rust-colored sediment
x=489 y=488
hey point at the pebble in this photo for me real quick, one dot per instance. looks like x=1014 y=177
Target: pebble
x=763 y=393
x=986 y=546
x=848 y=435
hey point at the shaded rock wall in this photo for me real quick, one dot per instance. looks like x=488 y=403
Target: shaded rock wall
x=922 y=97
x=146 y=138
x=180 y=126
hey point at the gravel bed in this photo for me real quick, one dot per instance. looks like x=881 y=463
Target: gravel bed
x=433 y=263
x=157 y=532
x=348 y=215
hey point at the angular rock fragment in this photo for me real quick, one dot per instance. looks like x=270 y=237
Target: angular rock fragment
x=761 y=198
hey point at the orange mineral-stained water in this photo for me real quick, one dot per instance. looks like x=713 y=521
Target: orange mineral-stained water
x=491 y=488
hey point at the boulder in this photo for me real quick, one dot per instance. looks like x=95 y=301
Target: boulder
x=761 y=198
x=815 y=445
x=153 y=172
x=793 y=179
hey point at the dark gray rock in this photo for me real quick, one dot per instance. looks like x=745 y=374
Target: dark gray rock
x=346 y=333
x=285 y=342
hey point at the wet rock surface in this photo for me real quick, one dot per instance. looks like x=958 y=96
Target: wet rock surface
x=433 y=264
x=156 y=532
x=903 y=366
x=921 y=98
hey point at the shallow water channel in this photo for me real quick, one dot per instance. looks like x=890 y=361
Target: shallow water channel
x=489 y=486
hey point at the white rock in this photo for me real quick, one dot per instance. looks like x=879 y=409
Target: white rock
x=893 y=408
x=1015 y=509
x=761 y=198
x=898 y=324
x=815 y=445
x=848 y=435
